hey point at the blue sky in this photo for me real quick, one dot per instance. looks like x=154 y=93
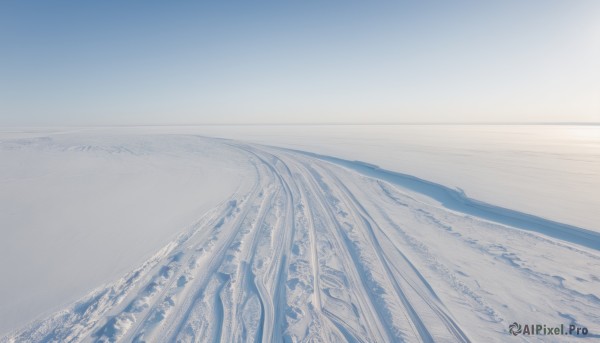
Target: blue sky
x=180 y=62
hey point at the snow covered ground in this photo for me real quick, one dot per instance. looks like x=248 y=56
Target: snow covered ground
x=548 y=170
x=78 y=211
x=187 y=238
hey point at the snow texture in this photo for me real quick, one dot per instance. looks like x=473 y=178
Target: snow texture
x=309 y=247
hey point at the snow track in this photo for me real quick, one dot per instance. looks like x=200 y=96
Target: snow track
x=316 y=251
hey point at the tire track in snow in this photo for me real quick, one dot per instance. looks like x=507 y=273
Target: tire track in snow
x=310 y=252
x=224 y=262
x=407 y=275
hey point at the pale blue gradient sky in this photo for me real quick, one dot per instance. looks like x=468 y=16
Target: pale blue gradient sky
x=178 y=62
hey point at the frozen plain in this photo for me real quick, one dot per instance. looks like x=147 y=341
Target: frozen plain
x=184 y=237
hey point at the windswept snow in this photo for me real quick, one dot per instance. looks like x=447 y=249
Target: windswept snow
x=314 y=248
x=77 y=211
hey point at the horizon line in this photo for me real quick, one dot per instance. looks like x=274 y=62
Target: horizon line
x=557 y=123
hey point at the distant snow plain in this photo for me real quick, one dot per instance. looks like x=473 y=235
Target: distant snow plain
x=325 y=233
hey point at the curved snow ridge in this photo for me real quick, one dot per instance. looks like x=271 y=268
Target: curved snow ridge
x=316 y=252
x=456 y=199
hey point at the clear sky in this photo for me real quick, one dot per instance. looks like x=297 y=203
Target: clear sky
x=183 y=62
